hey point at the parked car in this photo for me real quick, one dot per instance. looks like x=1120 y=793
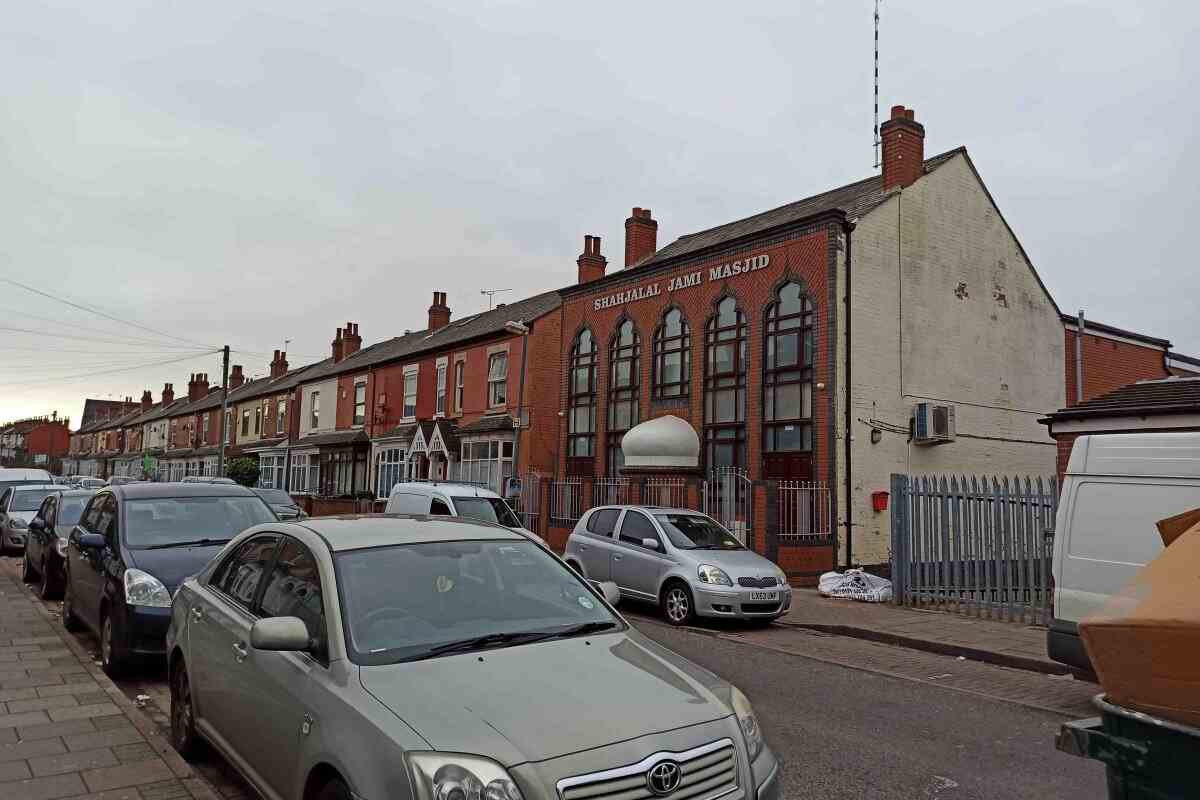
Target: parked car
x=46 y=539
x=91 y=483
x=680 y=559
x=1115 y=488
x=452 y=500
x=19 y=476
x=203 y=479
x=441 y=658
x=281 y=503
x=132 y=548
x=18 y=505
x=121 y=480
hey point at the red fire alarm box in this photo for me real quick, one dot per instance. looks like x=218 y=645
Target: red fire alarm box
x=879 y=501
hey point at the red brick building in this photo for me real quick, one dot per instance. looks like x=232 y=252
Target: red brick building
x=1111 y=358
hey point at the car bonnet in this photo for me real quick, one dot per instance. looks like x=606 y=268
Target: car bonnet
x=543 y=700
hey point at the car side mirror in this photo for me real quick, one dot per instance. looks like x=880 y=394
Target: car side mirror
x=650 y=544
x=92 y=541
x=288 y=634
x=611 y=592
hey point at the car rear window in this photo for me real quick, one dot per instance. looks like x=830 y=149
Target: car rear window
x=154 y=522
x=486 y=509
x=29 y=499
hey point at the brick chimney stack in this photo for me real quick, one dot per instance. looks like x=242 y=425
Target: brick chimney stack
x=236 y=378
x=439 y=312
x=168 y=395
x=641 y=236
x=279 y=365
x=591 y=263
x=903 y=148
x=336 y=346
x=352 y=342
x=147 y=401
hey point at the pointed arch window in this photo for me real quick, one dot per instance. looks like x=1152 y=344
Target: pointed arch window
x=672 y=363
x=581 y=411
x=624 y=385
x=725 y=360
x=788 y=372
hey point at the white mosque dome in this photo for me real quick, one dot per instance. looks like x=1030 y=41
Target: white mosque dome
x=662 y=442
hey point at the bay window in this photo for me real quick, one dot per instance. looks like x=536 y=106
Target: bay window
x=389 y=470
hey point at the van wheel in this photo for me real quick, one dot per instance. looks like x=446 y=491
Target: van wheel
x=677 y=605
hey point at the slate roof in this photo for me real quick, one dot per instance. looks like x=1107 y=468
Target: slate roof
x=855 y=199
x=499 y=422
x=331 y=439
x=1089 y=325
x=263 y=444
x=1144 y=398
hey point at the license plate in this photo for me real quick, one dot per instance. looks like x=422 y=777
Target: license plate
x=764 y=595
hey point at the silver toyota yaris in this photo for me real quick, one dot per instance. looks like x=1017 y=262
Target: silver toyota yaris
x=680 y=559
x=392 y=657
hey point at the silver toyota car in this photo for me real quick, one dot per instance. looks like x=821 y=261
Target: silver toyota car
x=682 y=560
x=393 y=657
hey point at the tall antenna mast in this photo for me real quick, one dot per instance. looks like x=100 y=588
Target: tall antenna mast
x=876 y=84
x=491 y=293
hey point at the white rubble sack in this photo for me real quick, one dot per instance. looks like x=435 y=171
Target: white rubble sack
x=854 y=584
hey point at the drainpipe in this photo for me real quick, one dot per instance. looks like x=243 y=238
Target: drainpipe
x=1079 y=359
x=518 y=327
x=848 y=228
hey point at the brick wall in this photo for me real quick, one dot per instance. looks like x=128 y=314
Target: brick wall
x=1109 y=364
x=801 y=255
x=51 y=439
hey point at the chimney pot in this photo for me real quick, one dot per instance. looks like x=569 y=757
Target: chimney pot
x=590 y=262
x=351 y=341
x=903 y=140
x=641 y=236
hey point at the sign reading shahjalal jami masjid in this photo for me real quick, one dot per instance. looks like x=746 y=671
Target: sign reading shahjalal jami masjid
x=684 y=281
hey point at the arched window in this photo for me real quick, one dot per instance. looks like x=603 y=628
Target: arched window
x=672 y=357
x=725 y=386
x=624 y=384
x=581 y=421
x=788 y=381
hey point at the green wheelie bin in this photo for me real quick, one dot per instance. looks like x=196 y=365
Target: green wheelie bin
x=1145 y=757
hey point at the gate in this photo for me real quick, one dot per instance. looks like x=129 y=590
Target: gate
x=729 y=500
x=529 y=504
x=805 y=513
x=982 y=547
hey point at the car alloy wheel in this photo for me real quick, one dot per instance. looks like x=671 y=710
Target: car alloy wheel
x=45 y=589
x=27 y=572
x=111 y=659
x=183 y=721
x=677 y=605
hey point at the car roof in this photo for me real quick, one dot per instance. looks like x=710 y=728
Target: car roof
x=137 y=491
x=356 y=531
x=653 y=509
x=21 y=473
x=448 y=488
x=77 y=492
x=23 y=486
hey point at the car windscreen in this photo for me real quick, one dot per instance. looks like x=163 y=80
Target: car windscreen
x=29 y=499
x=696 y=532
x=276 y=497
x=414 y=601
x=163 y=521
x=70 y=509
x=486 y=509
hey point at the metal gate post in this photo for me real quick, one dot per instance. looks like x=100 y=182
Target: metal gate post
x=900 y=538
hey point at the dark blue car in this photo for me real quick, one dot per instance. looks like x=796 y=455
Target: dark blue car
x=133 y=546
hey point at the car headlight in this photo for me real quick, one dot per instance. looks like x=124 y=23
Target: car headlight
x=710 y=574
x=18 y=524
x=143 y=589
x=60 y=545
x=748 y=722
x=457 y=776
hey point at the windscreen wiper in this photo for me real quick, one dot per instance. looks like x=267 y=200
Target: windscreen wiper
x=581 y=629
x=192 y=543
x=484 y=642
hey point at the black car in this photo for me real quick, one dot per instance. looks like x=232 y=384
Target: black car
x=133 y=546
x=46 y=539
x=282 y=504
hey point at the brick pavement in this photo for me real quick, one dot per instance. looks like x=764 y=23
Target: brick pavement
x=66 y=731
x=1006 y=643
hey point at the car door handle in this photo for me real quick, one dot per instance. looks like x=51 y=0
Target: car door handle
x=616 y=557
x=239 y=652
x=197 y=614
x=583 y=547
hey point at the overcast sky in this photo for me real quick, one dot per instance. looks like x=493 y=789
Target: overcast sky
x=250 y=176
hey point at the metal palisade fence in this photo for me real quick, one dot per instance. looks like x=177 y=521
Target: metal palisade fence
x=979 y=545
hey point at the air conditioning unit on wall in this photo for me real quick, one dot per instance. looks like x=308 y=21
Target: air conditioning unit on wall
x=933 y=423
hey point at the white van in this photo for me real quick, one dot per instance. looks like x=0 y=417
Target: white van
x=19 y=476
x=452 y=500
x=1116 y=487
